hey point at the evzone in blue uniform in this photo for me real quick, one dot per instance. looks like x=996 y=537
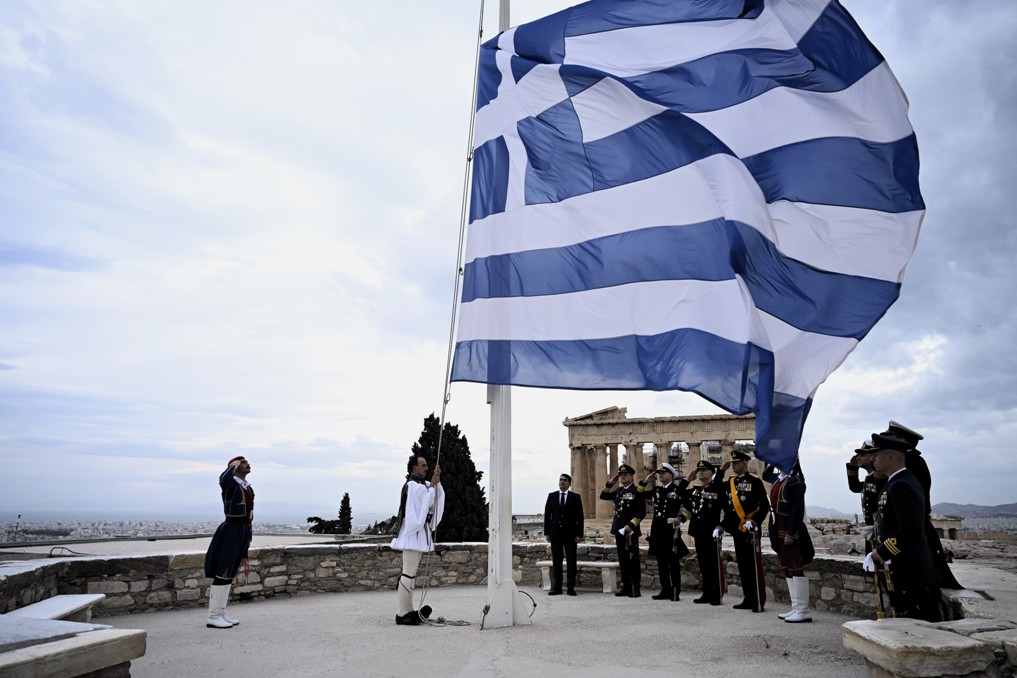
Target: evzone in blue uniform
x=231 y=540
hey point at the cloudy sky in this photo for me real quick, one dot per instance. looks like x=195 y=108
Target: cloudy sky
x=231 y=228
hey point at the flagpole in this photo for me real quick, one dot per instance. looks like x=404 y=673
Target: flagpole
x=504 y=607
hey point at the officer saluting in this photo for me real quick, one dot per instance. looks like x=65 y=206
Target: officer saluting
x=900 y=532
x=745 y=508
x=870 y=488
x=915 y=463
x=703 y=503
x=665 y=534
x=629 y=511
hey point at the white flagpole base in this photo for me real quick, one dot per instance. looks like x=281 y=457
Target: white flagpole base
x=507 y=608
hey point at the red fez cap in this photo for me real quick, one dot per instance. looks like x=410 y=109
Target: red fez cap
x=238 y=457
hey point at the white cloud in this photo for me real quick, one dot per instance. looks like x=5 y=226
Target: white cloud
x=230 y=229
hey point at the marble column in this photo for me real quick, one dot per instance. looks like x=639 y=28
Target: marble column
x=603 y=508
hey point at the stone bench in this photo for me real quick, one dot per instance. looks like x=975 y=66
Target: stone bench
x=31 y=647
x=915 y=649
x=69 y=607
x=608 y=572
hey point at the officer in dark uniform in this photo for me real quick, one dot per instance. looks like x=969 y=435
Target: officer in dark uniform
x=629 y=511
x=913 y=459
x=915 y=462
x=703 y=504
x=665 y=532
x=870 y=488
x=745 y=508
x=900 y=534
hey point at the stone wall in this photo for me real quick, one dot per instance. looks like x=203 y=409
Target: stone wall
x=136 y=583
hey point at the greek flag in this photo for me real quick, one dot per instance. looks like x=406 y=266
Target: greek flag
x=711 y=196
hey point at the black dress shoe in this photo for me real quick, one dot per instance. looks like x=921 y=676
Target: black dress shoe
x=409 y=619
x=635 y=593
x=554 y=592
x=572 y=592
x=744 y=605
x=700 y=600
x=714 y=602
x=663 y=595
x=623 y=592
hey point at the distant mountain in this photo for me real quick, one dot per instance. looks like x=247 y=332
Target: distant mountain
x=823 y=512
x=975 y=511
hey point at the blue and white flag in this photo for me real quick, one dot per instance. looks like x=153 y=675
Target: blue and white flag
x=718 y=197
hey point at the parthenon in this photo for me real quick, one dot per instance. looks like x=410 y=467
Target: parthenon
x=598 y=439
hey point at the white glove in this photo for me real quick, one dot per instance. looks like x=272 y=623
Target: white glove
x=624 y=531
x=672 y=521
x=749 y=525
x=866 y=531
x=868 y=564
x=716 y=533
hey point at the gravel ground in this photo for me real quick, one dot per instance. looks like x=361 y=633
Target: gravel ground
x=591 y=635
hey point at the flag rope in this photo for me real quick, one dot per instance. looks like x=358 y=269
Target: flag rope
x=463 y=208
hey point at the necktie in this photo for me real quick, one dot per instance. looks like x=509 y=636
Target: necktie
x=563 y=499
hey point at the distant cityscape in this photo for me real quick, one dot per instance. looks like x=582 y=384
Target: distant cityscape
x=978 y=520
x=26 y=531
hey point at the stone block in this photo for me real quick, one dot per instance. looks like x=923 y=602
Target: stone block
x=187 y=561
x=88 y=654
x=1003 y=640
x=159 y=584
x=123 y=565
x=322 y=572
x=458 y=557
x=251 y=588
x=827 y=593
x=159 y=598
x=190 y=583
x=277 y=569
x=108 y=587
x=272 y=582
x=867 y=599
x=969 y=627
x=915 y=649
x=188 y=595
x=139 y=586
x=116 y=603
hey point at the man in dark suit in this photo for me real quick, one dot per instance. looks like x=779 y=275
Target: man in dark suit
x=563 y=527
x=900 y=533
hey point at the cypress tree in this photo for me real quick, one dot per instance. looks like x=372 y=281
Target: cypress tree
x=465 y=517
x=345 y=515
